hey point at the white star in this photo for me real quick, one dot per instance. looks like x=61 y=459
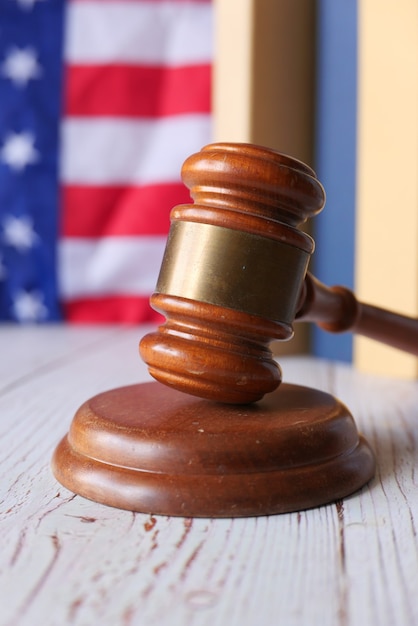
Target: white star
x=19 y=233
x=28 y=306
x=21 y=65
x=26 y=4
x=18 y=151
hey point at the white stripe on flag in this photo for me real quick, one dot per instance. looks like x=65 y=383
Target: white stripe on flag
x=100 y=151
x=109 y=266
x=157 y=33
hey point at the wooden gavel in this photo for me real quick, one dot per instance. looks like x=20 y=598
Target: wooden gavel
x=234 y=277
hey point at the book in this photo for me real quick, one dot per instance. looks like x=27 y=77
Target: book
x=335 y=158
x=387 y=173
x=263 y=83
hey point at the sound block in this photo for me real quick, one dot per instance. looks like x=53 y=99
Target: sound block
x=152 y=449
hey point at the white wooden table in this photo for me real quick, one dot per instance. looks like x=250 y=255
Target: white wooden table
x=65 y=560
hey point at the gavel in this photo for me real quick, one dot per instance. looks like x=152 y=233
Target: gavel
x=235 y=276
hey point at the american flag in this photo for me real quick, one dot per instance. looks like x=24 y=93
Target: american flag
x=100 y=103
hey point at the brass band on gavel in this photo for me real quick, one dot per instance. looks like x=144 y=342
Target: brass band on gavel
x=234 y=269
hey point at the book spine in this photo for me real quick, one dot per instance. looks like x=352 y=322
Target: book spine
x=335 y=158
x=263 y=84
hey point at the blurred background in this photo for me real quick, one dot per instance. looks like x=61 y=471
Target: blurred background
x=102 y=100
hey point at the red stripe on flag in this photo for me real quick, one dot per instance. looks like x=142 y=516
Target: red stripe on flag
x=114 y=309
x=137 y=91
x=106 y=211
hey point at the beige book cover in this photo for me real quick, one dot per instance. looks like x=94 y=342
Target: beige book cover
x=387 y=175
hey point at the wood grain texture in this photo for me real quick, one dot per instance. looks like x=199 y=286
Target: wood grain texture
x=151 y=449
x=215 y=285
x=65 y=560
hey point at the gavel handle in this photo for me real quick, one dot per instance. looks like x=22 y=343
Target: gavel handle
x=336 y=309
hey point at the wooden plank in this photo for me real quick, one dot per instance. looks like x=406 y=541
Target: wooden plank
x=65 y=560
x=28 y=351
x=377 y=527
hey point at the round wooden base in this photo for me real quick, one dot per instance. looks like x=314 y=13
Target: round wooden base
x=152 y=449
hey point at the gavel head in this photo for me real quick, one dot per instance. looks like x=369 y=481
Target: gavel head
x=232 y=272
